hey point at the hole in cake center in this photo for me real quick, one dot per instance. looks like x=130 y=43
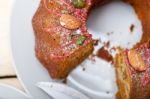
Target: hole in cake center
x=117 y=23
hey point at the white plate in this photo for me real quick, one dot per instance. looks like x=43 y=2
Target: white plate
x=13 y=93
x=98 y=80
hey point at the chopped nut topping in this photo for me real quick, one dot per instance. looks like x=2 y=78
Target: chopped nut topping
x=132 y=27
x=79 y=3
x=80 y=40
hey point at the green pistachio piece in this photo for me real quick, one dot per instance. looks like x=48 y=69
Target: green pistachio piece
x=80 y=40
x=78 y=3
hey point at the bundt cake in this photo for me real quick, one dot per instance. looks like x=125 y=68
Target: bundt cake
x=62 y=42
x=133 y=72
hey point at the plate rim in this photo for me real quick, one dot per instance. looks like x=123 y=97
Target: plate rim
x=13 y=2
x=15 y=89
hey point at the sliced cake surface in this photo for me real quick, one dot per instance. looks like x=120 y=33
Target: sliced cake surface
x=133 y=73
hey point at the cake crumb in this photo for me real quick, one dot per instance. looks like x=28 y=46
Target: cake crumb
x=107 y=92
x=95 y=42
x=132 y=28
x=113 y=48
x=107 y=44
x=65 y=81
x=109 y=33
x=92 y=58
x=83 y=68
x=104 y=54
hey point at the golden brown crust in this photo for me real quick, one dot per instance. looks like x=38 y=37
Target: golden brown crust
x=123 y=76
x=60 y=68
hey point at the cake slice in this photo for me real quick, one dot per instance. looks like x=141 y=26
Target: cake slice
x=61 y=37
x=133 y=73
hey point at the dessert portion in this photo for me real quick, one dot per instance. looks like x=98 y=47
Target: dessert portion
x=62 y=39
x=133 y=73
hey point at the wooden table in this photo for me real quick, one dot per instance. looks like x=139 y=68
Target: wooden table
x=7 y=73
